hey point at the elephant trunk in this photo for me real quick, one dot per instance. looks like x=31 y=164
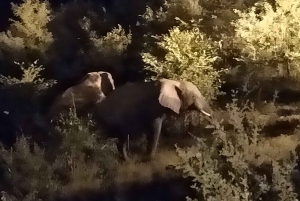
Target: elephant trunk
x=203 y=106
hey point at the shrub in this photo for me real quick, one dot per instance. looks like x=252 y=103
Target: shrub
x=270 y=36
x=231 y=165
x=82 y=161
x=170 y=11
x=183 y=9
x=31 y=74
x=31 y=31
x=28 y=172
x=213 y=16
x=113 y=44
x=169 y=14
x=85 y=160
x=189 y=56
x=76 y=132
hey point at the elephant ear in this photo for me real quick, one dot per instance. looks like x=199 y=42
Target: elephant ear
x=169 y=96
x=107 y=83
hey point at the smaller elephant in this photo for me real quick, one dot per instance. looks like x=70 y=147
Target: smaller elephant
x=92 y=89
x=137 y=108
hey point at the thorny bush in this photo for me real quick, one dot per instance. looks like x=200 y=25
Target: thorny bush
x=229 y=166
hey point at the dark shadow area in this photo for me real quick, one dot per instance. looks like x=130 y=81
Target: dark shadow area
x=160 y=189
x=281 y=127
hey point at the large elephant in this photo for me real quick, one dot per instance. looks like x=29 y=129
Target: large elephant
x=137 y=108
x=92 y=89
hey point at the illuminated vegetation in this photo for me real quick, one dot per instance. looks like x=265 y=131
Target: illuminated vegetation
x=243 y=55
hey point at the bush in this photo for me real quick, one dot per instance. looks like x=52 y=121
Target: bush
x=189 y=56
x=113 y=44
x=85 y=160
x=270 y=36
x=31 y=31
x=31 y=74
x=183 y=9
x=82 y=161
x=231 y=165
x=213 y=16
x=171 y=13
x=28 y=172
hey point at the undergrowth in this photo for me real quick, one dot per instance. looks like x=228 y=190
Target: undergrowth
x=232 y=164
x=81 y=162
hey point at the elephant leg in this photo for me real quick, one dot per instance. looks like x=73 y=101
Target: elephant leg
x=122 y=148
x=154 y=135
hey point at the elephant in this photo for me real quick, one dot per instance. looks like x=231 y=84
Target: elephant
x=140 y=108
x=92 y=89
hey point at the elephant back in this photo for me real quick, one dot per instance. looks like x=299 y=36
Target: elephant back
x=91 y=89
x=130 y=108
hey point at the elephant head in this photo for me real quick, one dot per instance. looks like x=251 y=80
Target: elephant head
x=181 y=95
x=92 y=89
x=100 y=80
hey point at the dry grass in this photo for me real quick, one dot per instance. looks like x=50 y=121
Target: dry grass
x=145 y=172
x=279 y=147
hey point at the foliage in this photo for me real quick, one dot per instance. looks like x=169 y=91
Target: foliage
x=87 y=158
x=212 y=16
x=267 y=35
x=171 y=13
x=171 y=10
x=230 y=166
x=75 y=133
x=82 y=161
x=189 y=56
x=31 y=31
x=113 y=44
x=28 y=171
x=177 y=39
x=31 y=74
x=183 y=9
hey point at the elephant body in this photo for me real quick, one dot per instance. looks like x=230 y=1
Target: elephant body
x=92 y=88
x=137 y=108
x=118 y=112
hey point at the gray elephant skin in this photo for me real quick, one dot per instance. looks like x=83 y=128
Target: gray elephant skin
x=90 y=90
x=137 y=108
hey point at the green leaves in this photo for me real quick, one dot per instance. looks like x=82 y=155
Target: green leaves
x=229 y=167
x=264 y=34
x=189 y=55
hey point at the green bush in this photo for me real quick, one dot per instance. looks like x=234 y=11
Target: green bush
x=113 y=44
x=213 y=16
x=31 y=30
x=31 y=74
x=270 y=36
x=85 y=158
x=189 y=56
x=183 y=9
x=82 y=161
x=28 y=172
x=230 y=166
x=171 y=13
